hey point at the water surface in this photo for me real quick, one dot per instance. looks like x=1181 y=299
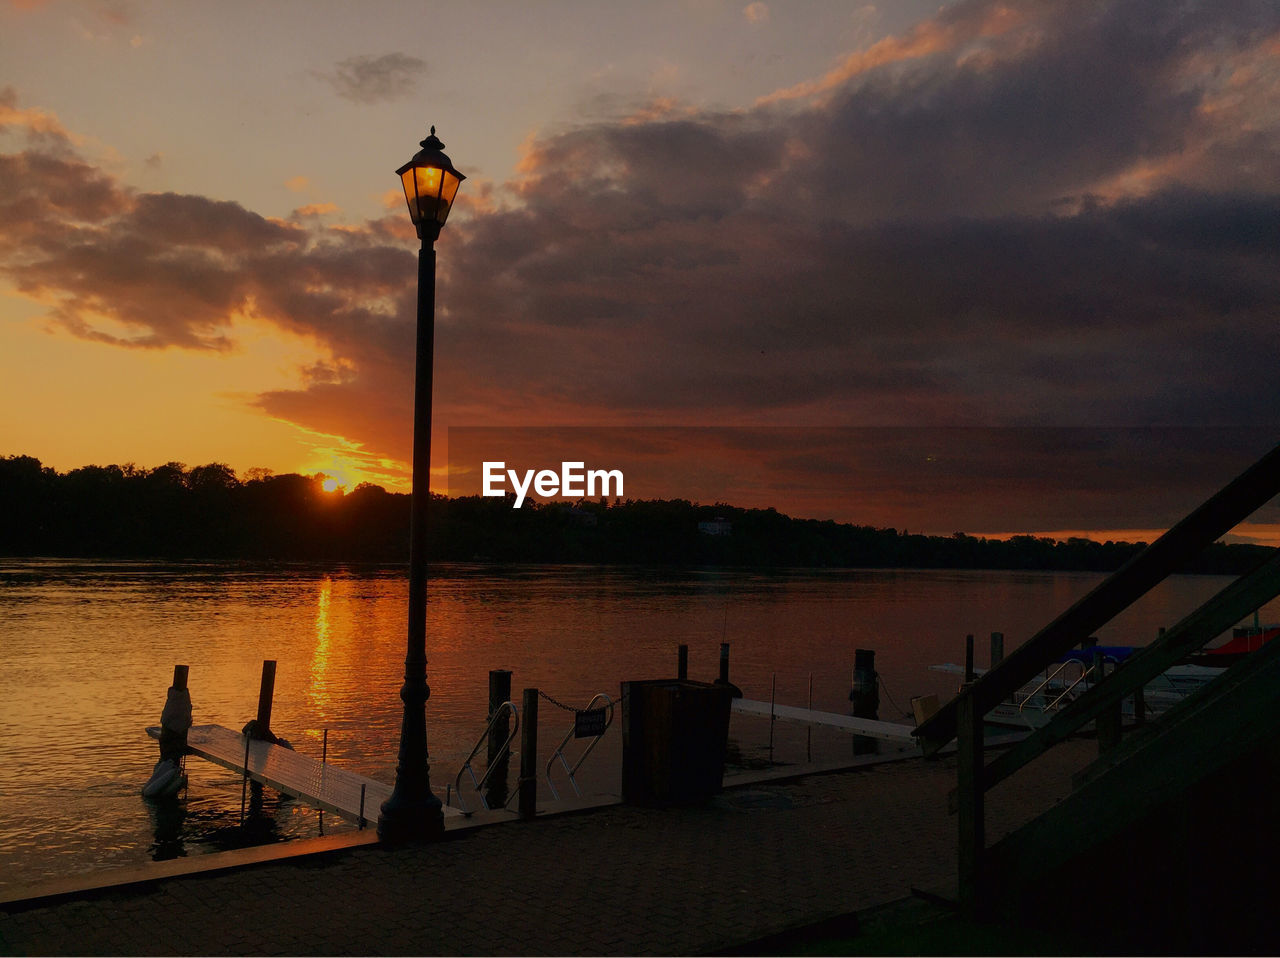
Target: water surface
x=87 y=651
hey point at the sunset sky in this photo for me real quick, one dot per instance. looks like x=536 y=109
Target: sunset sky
x=991 y=267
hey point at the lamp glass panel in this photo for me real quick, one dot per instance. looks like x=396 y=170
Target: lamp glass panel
x=448 y=191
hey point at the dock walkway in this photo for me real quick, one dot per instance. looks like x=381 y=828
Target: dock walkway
x=871 y=728
x=320 y=785
x=758 y=860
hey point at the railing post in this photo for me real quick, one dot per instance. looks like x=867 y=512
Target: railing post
x=529 y=756
x=1108 y=720
x=997 y=648
x=968 y=660
x=970 y=803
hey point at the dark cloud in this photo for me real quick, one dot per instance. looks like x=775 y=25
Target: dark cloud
x=370 y=79
x=1050 y=214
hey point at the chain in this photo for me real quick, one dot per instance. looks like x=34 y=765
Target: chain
x=880 y=679
x=568 y=708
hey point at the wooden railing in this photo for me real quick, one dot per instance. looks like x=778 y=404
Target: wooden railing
x=962 y=718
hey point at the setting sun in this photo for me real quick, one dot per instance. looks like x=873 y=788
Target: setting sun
x=330 y=485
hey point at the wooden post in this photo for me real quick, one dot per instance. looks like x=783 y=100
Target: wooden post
x=970 y=805
x=1139 y=707
x=968 y=660
x=724 y=662
x=175 y=718
x=682 y=662
x=865 y=695
x=997 y=648
x=529 y=756
x=265 y=695
x=499 y=694
x=1108 y=720
x=865 y=691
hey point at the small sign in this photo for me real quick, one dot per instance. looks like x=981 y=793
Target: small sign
x=589 y=723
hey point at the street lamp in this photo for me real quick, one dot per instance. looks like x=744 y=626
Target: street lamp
x=413 y=812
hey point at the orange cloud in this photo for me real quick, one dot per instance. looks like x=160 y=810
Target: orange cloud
x=949 y=31
x=315 y=209
x=31 y=120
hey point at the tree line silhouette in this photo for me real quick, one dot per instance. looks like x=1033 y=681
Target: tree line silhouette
x=207 y=512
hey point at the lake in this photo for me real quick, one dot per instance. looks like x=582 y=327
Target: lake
x=87 y=650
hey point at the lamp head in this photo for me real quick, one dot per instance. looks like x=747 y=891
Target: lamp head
x=430 y=184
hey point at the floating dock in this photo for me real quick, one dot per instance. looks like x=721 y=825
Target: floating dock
x=318 y=784
x=886 y=731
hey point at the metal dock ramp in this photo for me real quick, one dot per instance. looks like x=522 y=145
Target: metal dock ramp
x=320 y=785
x=888 y=731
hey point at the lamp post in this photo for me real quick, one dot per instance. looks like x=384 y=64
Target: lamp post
x=413 y=812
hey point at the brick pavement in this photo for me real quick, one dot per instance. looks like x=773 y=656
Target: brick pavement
x=621 y=880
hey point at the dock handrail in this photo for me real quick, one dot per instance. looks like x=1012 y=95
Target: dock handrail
x=559 y=752
x=1212 y=520
x=480 y=783
x=962 y=717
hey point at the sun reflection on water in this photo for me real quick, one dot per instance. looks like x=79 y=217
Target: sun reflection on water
x=318 y=692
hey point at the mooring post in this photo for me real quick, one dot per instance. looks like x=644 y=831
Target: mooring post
x=724 y=662
x=968 y=660
x=175 y=717
x=997 y=648
x=265 y=695
x=529 y=756
x=499 y=695
x=865 y=691
x=682 y=662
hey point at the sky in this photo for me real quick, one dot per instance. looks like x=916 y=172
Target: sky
x=987 y=267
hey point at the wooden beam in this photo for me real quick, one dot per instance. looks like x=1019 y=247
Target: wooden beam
x=1217 y=516
x=1225 y=724
x=1213 y=618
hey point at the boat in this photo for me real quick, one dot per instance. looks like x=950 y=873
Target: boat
x=1074 y=673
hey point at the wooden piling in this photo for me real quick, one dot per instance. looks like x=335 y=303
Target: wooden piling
x=529 y=756
x=724 y=662
x=864 y=693
x=497 y=757
x=180 y=676
x=682 y=662
x=968 y=660
x=265 y=695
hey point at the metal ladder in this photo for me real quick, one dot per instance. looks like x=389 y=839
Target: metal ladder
x=571 y=772
x=480 y=783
